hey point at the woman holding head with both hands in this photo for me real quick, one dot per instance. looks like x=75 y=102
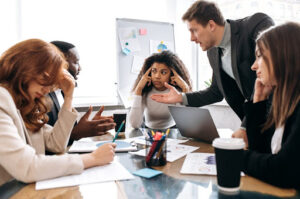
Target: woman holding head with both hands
x=274 y=136
x=157 y=69
x=30 y=70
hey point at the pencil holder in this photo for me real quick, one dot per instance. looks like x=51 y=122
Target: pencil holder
x=156 y=152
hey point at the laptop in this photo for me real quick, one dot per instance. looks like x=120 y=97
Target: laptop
x=194 y=122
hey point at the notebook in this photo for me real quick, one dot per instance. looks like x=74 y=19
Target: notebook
x=89 y=146
x=194 y=122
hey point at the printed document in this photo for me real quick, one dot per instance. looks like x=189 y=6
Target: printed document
x=110 y=172
x=174 y=151
x=199 y=163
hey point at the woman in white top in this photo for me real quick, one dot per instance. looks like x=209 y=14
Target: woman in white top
x=157 y=69
x=274 y=136
x=30 y=70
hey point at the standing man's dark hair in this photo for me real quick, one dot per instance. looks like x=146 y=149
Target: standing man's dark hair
x=230 y=47
x=202 y=12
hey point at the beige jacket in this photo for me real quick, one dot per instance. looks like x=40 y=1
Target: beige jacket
x=22 y=153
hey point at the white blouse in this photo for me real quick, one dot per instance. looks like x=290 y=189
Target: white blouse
x=277 y=140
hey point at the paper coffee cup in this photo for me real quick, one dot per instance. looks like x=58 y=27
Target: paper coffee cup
x=119 y=117
x=229 y=155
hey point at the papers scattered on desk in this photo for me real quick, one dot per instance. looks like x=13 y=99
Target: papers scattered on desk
x=110 y=172
x=141 y=140
x=174 y=151
x=199 y=163
x=89 y=146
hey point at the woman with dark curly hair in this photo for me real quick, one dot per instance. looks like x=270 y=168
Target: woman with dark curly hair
x=157 y=69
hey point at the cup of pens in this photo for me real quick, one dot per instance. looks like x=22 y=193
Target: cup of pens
x=156 y=149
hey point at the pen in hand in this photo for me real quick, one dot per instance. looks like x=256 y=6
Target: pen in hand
x=117 y=133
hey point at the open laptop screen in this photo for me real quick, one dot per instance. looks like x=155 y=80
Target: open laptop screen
x=194 y=122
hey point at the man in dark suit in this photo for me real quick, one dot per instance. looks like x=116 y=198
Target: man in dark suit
x=85 y=127
x=230 y=47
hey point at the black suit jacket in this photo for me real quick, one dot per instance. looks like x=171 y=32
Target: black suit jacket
x=53 y=114
x=281 y=169
x=243 y=35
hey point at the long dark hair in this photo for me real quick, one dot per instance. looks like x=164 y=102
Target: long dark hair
x=283 y=42
x=169 y=59
x=25 y=62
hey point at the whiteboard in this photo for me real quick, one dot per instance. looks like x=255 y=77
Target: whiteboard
x=136 y=40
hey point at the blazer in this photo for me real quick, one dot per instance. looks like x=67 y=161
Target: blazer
x=53 y=114
x=281 y=169
x=22 y=151
x=243 y=34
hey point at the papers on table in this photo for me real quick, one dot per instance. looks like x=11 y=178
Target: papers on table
x=110 y=172
x=174 y=151
x=89 y=146
x=199 y=163
x=141 y=140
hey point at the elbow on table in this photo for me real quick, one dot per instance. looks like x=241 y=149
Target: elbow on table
x=135 y=125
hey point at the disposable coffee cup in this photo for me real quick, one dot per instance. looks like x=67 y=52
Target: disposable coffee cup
x=119 y=117
x=229 y=154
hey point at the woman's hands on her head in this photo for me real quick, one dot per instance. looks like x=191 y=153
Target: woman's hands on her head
x=176 y=80
x=142 y=83
x=101 y=156
x=262 y=91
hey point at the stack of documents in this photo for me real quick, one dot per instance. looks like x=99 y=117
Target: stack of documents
x=110 y=172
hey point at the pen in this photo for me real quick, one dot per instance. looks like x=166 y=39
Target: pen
x=168 y=131
x=160 y=148
x=150 y=137
x=153 y=134
x=122 y=124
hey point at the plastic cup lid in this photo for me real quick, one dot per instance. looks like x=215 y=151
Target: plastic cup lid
x=120 y=111
x=228 y=143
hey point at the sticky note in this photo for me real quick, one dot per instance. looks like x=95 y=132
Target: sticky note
x=143 y=31
x=126 y=51
x=147 y=173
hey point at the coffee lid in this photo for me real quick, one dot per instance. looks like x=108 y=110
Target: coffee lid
x=120 y=111
x=229 y=143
